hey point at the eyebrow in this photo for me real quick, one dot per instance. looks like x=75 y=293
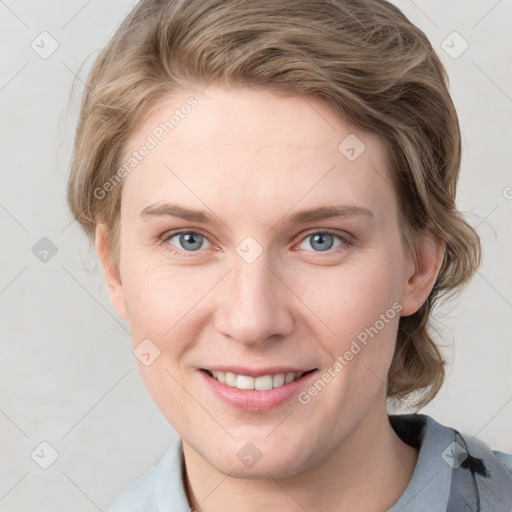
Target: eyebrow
x=301 y=217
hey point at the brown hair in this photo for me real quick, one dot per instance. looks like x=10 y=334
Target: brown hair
x=363 y=57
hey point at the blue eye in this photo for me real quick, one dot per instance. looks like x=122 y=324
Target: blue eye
x=188 y=241
x=323 y=241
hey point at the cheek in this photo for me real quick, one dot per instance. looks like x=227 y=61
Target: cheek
x=162 y=300
x=152 y=289
x=359 y=311
x=350 y=298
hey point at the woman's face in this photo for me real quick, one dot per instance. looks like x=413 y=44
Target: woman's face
x=259 y=238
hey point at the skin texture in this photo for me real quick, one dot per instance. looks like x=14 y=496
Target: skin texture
x=250 y=160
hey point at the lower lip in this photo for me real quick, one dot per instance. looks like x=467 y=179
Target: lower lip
x=254 y=400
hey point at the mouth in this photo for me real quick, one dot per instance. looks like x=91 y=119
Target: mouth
x=260 y=383
x=256 y=390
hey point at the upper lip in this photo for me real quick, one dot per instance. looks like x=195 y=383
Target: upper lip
x=258 y=372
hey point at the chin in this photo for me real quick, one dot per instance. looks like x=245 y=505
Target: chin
x=262 y=460
x=267 y=468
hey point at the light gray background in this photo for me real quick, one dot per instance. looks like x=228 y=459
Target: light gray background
x=68 y=376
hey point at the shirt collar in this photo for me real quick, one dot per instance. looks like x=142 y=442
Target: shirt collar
x=429 y=487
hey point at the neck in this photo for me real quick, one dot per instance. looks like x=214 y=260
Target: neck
x=368 y=471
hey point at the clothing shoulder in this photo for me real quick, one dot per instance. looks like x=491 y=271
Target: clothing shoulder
x=158 y=488
x=481 y=477
x=139 y=496
x=454 y=471
x=504 y=458
x=491 y=471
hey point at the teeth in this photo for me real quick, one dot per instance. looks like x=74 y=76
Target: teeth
x=230 y=379
x=278 y=380
x=244 y=382
x=289 y=377
x=262 y=383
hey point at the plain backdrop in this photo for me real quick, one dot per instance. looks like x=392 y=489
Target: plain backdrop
x=68 y=378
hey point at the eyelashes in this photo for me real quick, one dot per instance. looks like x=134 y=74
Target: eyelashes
x=196 y=242
x=188 y=236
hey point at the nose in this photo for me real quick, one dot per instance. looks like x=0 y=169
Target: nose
x=257 y=305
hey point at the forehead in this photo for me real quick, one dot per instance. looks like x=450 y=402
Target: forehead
x=223 y=146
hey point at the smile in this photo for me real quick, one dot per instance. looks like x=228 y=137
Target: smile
x=262 y=391
x=262 y=383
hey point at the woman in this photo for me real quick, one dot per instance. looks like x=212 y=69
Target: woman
x=271 y=191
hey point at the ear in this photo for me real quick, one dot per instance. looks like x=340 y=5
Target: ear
x=421 y=273
x=110 y=271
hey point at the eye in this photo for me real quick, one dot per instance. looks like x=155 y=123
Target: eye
x=322 y=241
x=186 y=241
